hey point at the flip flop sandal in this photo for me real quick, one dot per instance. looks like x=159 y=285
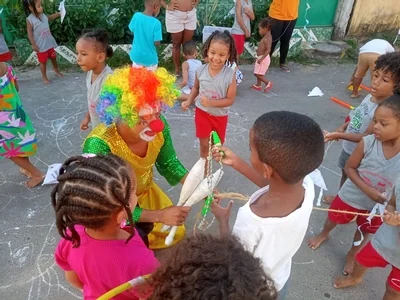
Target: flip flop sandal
x=256 y=87
x=268 y=87
x=285 y=69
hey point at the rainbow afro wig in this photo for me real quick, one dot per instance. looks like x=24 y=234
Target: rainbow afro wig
x=129 y=89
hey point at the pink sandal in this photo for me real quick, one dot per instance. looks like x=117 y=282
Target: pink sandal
x=256 y=87
x=268 y=87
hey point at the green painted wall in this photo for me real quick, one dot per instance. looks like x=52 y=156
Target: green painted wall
x=321 y=13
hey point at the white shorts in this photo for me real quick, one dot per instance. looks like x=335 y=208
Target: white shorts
x=177 y=21
x=150 y=68
x=186 y=90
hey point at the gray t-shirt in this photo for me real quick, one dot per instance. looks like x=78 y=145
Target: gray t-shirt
x=214 y=88
x=360 y=118
x=236 y=29
x=93 y=93
x=194 y=64
x=41 y=32
x=3 y=45
x=386 y=240
x=376 y=171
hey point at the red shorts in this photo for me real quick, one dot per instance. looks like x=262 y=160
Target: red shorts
x=340 y=218
x=205 y=123
x=239 y=42
x=369 y=258
x=44 y=56
x=5 y=57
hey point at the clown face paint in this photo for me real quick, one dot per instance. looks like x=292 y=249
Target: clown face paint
x=149 y=133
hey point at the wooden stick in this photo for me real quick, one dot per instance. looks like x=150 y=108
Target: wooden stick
x=237 y=196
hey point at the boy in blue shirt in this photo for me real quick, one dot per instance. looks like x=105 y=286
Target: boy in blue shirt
x=147 y=34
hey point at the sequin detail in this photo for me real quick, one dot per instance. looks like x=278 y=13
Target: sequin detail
x=143 y=166
x=168 y=164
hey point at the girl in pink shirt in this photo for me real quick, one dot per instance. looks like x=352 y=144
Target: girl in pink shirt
x=93 y=199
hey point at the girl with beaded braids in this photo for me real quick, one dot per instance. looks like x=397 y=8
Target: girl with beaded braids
x=133 y=128
x=92 y=200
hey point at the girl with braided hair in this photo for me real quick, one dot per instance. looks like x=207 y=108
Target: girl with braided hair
x=92 y=201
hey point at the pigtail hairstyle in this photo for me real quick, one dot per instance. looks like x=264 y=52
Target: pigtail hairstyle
x=100 y=38
x=224 y=37
x=89 y=191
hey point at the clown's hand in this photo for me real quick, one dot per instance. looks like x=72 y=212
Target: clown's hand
x=174 y=215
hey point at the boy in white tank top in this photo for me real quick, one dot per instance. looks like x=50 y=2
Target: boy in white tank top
x=189 y=67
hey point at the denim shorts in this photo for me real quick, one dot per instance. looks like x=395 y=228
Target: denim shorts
x=343 y=158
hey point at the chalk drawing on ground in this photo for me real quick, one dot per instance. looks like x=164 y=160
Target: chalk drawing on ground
x=32 y=269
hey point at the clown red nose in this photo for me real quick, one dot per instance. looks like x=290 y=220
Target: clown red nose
x=156 y=125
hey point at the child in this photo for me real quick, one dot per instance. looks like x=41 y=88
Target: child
x=92 y=201
x=17 y=135
x=241 y=28
x=147 y=34
x=206 y=267
x=369 y=53
x=43 y=43
x=373 y=168
x=189 y=67
x=383 y=250
x=214 y=88
x=385 y=82
x=93 y=50
x=285 y=147
x=263 y=60
x=5 y=54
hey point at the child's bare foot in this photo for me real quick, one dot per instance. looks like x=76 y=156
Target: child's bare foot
x=328 y=199
x=59 y=74
x=345 y=281
x=316 y=241
x=46 y=81
x=25 y=172
x=354 y=95
x=349 y=266
x=34 y=181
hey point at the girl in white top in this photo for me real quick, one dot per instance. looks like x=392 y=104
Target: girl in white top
x=189 y=67
x=93 y=50
x=43 y=43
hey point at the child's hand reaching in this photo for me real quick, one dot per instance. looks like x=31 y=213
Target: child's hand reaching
x=377 y=196
x=205 y=101
x=225 y=154
x=331 y=136
x=185 y=105
x=85 y=124
x=222 y=214
x=392 y=218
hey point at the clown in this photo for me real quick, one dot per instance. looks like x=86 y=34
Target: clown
x=133 y=128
